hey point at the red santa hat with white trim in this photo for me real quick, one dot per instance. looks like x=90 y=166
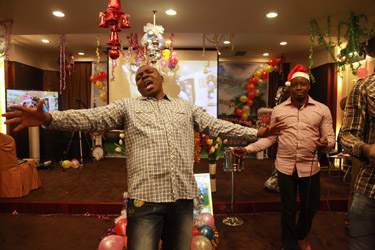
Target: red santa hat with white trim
x=297 y=71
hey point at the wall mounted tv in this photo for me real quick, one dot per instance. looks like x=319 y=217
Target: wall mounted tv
x=30 y=98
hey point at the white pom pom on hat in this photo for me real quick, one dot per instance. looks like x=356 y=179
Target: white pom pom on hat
x=297 y=71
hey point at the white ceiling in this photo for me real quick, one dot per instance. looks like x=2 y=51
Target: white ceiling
x=254 y=33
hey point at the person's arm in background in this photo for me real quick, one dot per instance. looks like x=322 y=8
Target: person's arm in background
x=353 y=127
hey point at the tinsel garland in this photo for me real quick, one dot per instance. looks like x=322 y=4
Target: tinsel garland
x=114 y=64
x=97 y=54
x=62 y=63
x=7 y=25
x=215 y=240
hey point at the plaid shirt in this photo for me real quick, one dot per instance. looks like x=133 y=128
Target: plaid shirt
x=358 y=129
x=159 y=139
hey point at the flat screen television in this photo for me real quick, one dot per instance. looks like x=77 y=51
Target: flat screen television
x=30 y=98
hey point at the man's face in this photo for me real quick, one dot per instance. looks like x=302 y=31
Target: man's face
x=149 y=82
x=299 y=88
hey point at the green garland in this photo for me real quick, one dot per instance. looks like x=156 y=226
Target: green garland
x=356 y=33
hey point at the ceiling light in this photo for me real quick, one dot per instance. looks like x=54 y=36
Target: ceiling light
x=81 y=53
x=168 y=41
x=45 y=41
x=266 y=54
x=58 y=14
x=283 y=43
x=271 y=15
x=226 y=42
x=170 y=12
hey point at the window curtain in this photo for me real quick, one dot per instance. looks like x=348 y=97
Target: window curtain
x=77 y=92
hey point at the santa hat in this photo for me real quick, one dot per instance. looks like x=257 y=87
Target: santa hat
x=297 y=71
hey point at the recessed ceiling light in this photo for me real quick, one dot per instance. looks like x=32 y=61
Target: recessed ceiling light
x=81 y=53
x=271 y=15
x=266 y=54
x=45 y=41
x=170 y=12
x=58 y=14
x=226 y=42
x=283 y=43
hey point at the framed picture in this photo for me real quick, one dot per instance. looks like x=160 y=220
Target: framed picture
x=204 y=204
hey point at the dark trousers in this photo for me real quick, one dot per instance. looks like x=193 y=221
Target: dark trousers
x=149 y=222
x=309 y=194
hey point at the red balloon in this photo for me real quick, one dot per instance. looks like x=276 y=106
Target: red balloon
x=250 y=102
x=196 y=231
x=264 y=75
x=101 y=76
x=114 y=54
x=239 y=112
x=253 y=80
x=174 y=62
x=362 y=72
x=251 y=95
x=272 y=62
x=250 y=86
x=93 y=79
x=120 y=227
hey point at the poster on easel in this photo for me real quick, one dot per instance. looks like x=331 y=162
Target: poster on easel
x=205 y=198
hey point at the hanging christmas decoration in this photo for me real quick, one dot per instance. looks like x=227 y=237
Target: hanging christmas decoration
x=70 y=64
x=153 y=40
x=140 y=53
x=5 y=38
x=114 y=17
x=217 y=39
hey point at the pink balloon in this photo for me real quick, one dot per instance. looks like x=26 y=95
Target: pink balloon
x=362 y=72
x=200 y=242
x=208 y=219
x=174 y=55
x=112 y=242
x=164 y=63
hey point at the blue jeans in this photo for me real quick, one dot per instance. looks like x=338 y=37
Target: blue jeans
x=149 y=222
x=362 y=223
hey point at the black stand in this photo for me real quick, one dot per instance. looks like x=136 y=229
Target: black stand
x=80 y=139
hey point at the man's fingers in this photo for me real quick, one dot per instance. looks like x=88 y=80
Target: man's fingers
x=12 y=121
x=39 y=107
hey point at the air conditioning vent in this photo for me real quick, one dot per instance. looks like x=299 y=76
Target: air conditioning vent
x=240 y=53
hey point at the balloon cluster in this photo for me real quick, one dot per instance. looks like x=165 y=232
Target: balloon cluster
x=115 y=237
x=169 y=60
x=258 y=79
x=74 y=163
x=205 y=235
x=99 y=84
x=113 y=16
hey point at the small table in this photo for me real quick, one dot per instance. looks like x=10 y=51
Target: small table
x=340 y=156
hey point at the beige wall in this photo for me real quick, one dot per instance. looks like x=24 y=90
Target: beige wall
x=26 y=56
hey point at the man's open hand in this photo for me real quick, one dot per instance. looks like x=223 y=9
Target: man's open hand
x=28 y=117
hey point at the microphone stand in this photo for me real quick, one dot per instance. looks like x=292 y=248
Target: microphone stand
x=79 y=136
